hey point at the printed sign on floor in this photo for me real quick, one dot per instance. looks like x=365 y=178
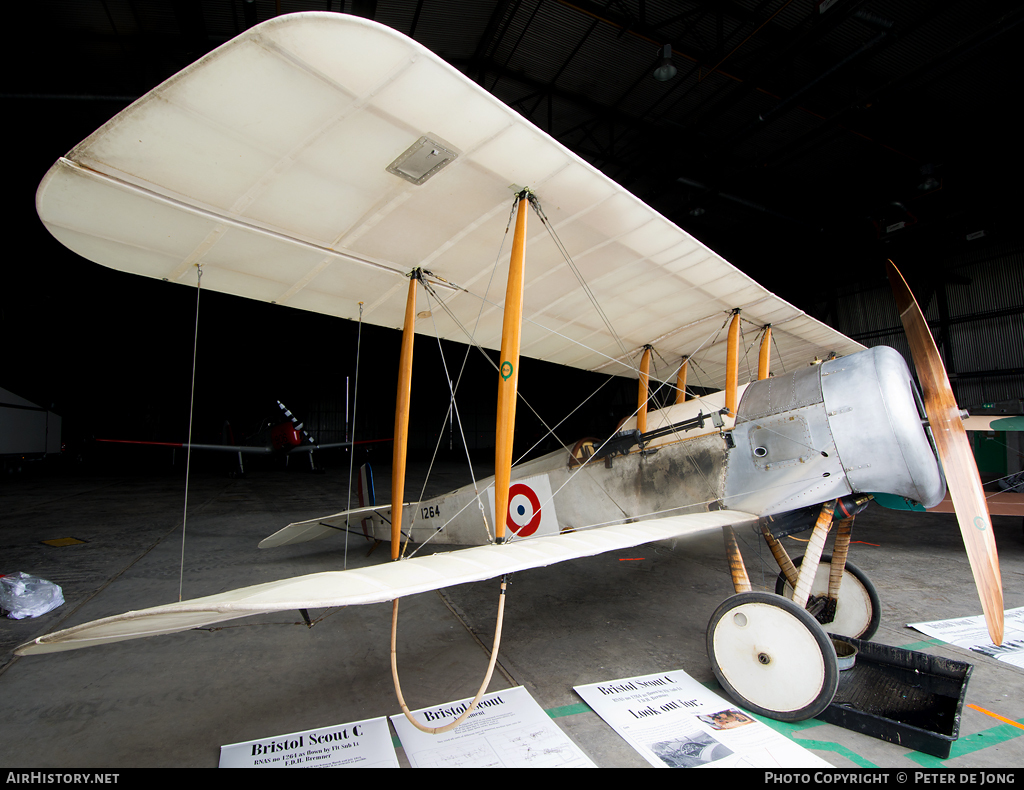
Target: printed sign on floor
x=361 y=744
x=675 y=722
x=972 y=633
x=507 y=730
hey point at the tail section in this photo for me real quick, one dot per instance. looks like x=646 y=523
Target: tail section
x=320 y=528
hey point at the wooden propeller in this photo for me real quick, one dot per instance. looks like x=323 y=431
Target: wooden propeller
x=962 y=478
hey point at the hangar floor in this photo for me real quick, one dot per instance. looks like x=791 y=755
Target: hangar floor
x=174 y=700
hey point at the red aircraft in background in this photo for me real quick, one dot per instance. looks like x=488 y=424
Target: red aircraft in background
x=285 y=438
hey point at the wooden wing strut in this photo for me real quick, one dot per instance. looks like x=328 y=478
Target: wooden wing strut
x=508 y=381
x=764 y=357
x=642 y=391
x=403 y=400
x=732 y=364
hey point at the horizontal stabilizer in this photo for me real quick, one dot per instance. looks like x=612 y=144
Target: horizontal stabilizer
x=378 y=583
x=308 y=448
x=994 y=422
x=223 y=448
x=319 y=528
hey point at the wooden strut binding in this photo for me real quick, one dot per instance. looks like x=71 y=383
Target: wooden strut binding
x=812 y=555
x=840 y=551
x=780 y=554
x=738 y=571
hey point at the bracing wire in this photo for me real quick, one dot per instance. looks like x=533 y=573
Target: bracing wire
x=550 y=431
x=585 y=465
x=475 y=344
x=440 y=436
x=352 y=437
x=778 y=354
x=188 y=451
x=452 y=415
x=579 y=277
x=432 y=293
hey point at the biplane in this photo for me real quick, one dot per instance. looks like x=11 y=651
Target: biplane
x=331 y=164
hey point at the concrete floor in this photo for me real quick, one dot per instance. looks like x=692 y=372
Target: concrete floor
x=174 y=700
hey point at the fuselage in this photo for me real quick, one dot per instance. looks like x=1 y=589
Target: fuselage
x=848 y=425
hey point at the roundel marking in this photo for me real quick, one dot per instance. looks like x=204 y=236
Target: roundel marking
x=523 y=516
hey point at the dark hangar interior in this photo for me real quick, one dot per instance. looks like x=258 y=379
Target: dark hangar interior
x=805 y=142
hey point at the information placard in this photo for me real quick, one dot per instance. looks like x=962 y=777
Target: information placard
x=972 y=633
x=361 y=744
x=675 y=722
x=507 y=730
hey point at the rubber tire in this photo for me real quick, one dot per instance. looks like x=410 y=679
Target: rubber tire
x=868 y=630
x=763 y=647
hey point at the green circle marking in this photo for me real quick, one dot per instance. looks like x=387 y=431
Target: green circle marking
x=506 y=370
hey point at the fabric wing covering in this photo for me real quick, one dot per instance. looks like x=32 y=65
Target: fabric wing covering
x=378 y=583
x=267 y=162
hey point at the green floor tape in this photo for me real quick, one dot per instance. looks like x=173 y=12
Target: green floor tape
x=568 y=710
x=968 y=744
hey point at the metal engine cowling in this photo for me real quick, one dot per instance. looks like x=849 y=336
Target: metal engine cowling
x=847 y=425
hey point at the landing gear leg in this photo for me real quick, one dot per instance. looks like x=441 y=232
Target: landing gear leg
x=769 y=653
x=857 y=609
x=836 y=592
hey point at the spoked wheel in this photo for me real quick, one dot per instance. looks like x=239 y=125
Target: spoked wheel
x=772 y=656
x=858 y=609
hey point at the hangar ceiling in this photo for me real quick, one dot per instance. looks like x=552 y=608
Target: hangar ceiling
x=806 y=141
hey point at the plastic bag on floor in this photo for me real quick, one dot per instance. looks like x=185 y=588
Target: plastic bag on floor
x=22 y=595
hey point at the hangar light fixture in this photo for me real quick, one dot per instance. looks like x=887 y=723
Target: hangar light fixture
x=666 y=69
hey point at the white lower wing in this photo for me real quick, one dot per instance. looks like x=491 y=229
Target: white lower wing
x=379 y=583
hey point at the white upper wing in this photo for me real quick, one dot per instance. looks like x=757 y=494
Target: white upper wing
x=378 y=583
x=266 y=161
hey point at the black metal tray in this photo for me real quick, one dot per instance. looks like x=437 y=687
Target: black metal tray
x=901 y=696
